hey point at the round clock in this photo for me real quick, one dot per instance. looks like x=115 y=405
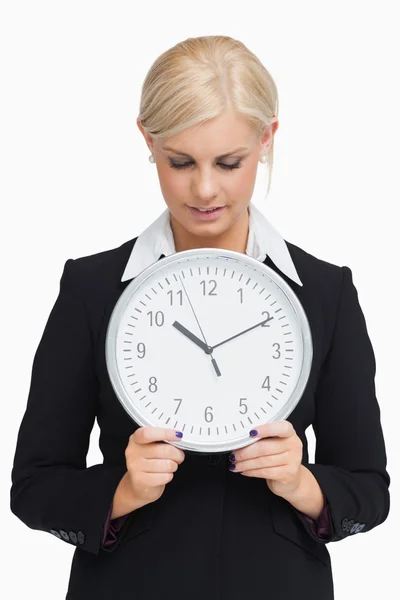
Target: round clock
x=210 y=342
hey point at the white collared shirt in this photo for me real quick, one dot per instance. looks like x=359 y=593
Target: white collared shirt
x=263 y=240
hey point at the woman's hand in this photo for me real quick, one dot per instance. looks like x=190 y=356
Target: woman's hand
x=276 y=457
x=151 y=462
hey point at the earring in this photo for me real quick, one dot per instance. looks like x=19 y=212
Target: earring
x=151 y=158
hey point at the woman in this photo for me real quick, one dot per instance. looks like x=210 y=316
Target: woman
x=150 y=521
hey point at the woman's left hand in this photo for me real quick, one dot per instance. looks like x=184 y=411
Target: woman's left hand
x=276 y=457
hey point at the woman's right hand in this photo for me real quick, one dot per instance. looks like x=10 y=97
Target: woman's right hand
x=151 y=462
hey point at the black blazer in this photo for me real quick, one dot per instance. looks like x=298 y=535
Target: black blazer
x=213 y=534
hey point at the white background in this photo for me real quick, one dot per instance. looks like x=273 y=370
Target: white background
x=76 y=180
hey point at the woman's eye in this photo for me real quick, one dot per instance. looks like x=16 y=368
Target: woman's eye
x=188 y=164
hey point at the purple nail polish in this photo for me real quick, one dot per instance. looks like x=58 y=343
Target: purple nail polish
x=253 y=432
x=232 y=457
x=232 y=467
x=178 y=434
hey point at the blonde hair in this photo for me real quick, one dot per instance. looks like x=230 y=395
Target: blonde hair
x=198 y=79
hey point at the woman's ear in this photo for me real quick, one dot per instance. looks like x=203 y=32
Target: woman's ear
x=146 y=136
x=268 y=135
x=139 y=124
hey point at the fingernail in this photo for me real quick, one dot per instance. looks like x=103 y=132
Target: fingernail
x=253 y=432
x=232 y=467
x=232 y=457
x=178 y=434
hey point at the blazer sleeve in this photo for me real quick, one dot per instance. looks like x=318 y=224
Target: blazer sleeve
x=111 y=529
x=350 y=454
x=321 y=527
x=52 y=488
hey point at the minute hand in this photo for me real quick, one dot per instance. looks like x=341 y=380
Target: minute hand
x=242 y=332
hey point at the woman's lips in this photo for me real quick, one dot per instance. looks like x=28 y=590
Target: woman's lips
x=211 y=215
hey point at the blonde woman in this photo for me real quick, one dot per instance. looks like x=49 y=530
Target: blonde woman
x=152 y=521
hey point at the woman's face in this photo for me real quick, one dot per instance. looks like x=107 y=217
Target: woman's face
x=197 y=176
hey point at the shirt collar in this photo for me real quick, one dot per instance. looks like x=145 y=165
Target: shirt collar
x=263 y=240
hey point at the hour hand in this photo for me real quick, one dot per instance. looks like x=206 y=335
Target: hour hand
x=192 y=337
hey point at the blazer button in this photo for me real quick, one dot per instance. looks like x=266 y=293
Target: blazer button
x=354 y=528
x=81 y=537
x=344 y=524
x=55 y=532
x=73 y=537
x=64 y=535
x=349 y=525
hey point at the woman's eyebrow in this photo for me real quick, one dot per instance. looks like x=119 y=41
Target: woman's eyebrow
x=188 y=155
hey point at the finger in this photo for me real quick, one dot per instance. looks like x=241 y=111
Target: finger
x=159 y=465
x=254 y=473
x=163 y=450
x=275 y=429
x=147 y=435
x=262 y=462
x=275 y=473
x=264 y=447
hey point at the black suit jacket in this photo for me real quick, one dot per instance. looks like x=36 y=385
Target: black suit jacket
x=213 y=534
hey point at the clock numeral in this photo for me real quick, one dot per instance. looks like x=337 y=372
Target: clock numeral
x=268 y=386
x=265 y=312
x=159 y=318
x=153 y=386
x=142 y=349
x=277 y=350
x=211 y=292
x=208 y=414
x=178 y=407
x=240 y=290
x=179 y=293
x=243 y=405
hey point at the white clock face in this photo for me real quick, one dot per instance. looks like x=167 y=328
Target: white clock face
x=160 y=337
